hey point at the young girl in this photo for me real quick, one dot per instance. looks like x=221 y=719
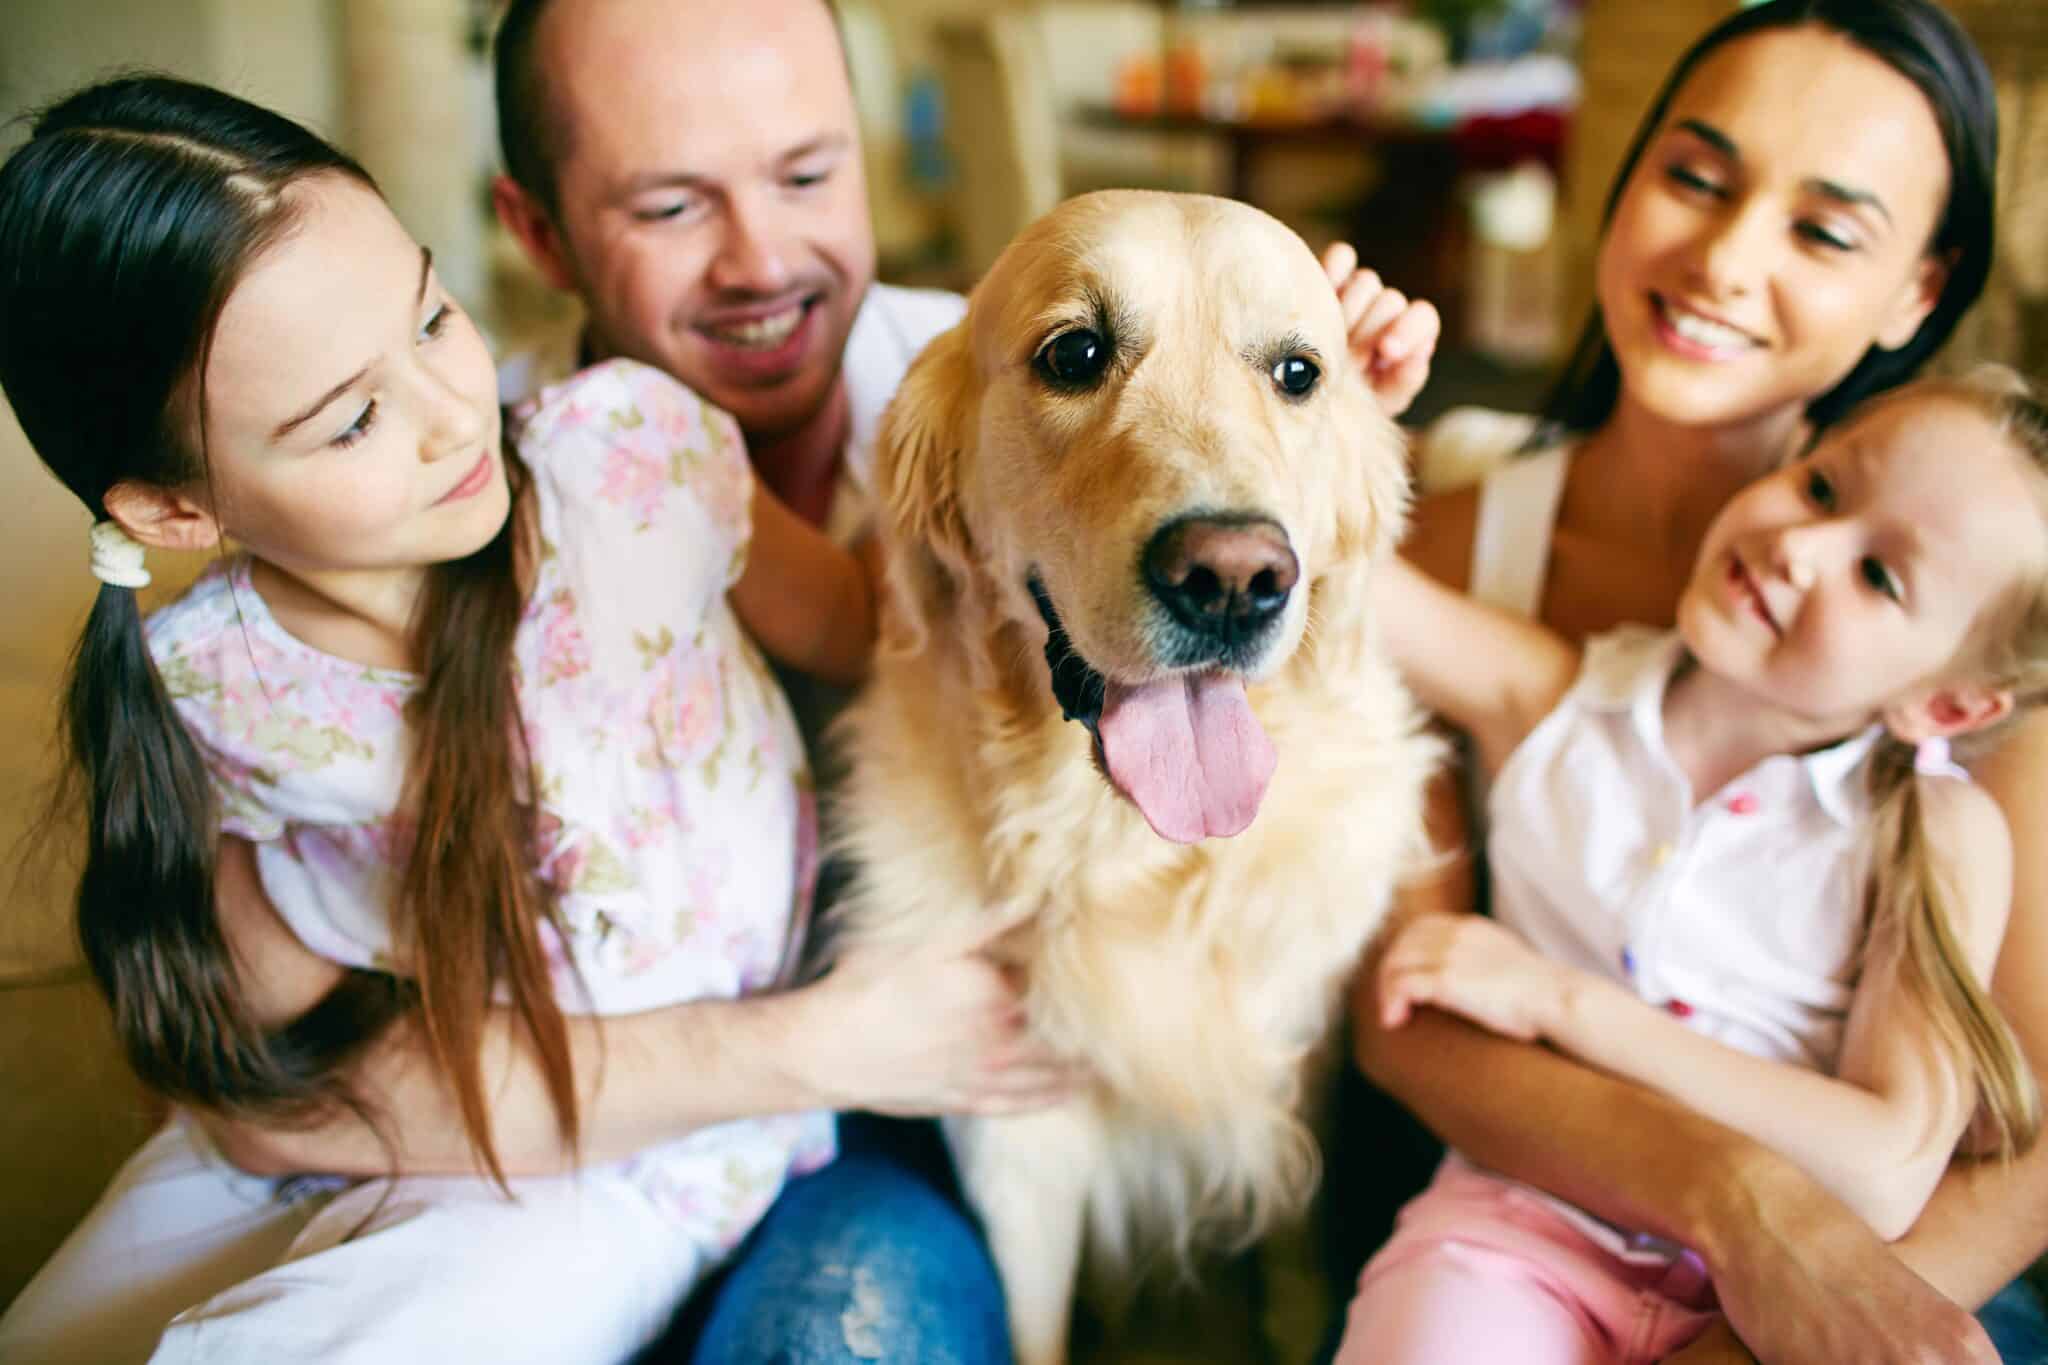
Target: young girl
x=1733 y=862
x=484 y=726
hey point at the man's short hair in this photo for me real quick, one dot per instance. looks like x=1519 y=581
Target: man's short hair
x=533 y=132
x=531 y=138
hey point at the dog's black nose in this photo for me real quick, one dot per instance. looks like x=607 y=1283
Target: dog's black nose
x=1225 y=578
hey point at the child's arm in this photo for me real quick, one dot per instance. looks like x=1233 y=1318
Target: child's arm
x=809 y=603
x=936 y=1029
x=1491 y=673
x=1878 y=1135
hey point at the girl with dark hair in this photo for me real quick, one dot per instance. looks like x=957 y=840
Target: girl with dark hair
x=463 y=747
x=1804 y=215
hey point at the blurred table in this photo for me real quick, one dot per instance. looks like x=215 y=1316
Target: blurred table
x=1245 y=139
x=1409 y=227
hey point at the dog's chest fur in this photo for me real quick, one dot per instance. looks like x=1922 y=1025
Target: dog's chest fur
x=1190 y=979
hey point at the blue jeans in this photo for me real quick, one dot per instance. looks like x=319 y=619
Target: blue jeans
x=873 y=1258
x=2018 y=1323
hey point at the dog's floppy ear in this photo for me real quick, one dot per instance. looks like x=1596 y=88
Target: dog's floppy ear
x=1369 y=506
x=919 y=454
x=1373 y=490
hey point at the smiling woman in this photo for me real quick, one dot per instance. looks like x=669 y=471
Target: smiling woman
x=1796 y=120
x=1770 y=257
x=1743 y=253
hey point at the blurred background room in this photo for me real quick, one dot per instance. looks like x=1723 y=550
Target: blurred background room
x=1464 y=145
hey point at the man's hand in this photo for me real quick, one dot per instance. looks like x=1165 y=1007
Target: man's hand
x=1392 y=339
x=940 y=1029
x=1718 y=1345
x=1803 y=1282
x=1861 y=1322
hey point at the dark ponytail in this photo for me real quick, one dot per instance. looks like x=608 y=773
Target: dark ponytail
x=125 y=222
x=146 y=900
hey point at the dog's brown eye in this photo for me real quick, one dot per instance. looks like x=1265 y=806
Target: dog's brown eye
x=1296 y=375
x=1073 y=360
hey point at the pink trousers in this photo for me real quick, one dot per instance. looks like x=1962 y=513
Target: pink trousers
x=1481 y=1271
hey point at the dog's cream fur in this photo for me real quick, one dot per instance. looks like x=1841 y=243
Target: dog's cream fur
x=1192 y=981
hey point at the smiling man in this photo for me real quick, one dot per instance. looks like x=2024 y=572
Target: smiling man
x=692 y=171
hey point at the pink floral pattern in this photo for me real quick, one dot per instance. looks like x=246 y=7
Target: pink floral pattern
x=563 y=651
x=677 y=825
x=689 y=707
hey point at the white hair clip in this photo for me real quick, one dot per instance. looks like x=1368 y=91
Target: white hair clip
x=1931 y=759
x=117 y=557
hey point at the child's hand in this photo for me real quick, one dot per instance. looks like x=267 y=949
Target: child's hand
x=940 y=1029
x=1392 y=339
x=1468 y=965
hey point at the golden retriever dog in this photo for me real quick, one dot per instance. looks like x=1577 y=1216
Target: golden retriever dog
x=1140 y=487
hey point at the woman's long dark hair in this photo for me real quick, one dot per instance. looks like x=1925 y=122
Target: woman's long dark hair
x=1920 y=41
x=125 y=222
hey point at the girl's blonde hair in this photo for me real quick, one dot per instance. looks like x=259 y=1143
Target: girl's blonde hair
x=1910 y=922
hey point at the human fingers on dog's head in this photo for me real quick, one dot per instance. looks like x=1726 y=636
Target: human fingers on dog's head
x=1339 y=260
x=1398 y=385
x=1358 y=296
x=1381 y=312
x=1412 y=334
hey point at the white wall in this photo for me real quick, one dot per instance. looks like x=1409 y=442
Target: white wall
x=276 y=52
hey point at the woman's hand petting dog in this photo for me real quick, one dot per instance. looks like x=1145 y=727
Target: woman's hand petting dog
x=940 y=1029
x=1393 y=338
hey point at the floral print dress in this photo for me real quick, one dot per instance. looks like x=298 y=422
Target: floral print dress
x=678 y=826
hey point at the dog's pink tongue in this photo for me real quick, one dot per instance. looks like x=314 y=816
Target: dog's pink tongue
x=1188 y=754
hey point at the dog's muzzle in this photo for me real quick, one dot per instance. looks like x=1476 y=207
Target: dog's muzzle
x=1224 y=582
x=1185 y=748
